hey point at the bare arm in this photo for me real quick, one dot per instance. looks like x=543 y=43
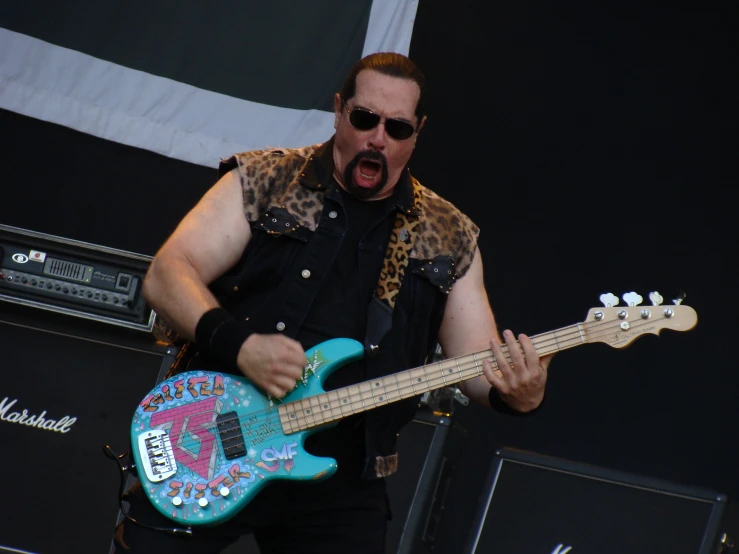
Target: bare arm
x=208 y=241
x=469 y=326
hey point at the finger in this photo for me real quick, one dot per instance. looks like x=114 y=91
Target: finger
x=293 y=352
x=275 y=391
x=285 y=383
x=495 y=378
x=545 y=361
x=514 y=351
x=502 y=363
x=288 y=370
x=529 y=352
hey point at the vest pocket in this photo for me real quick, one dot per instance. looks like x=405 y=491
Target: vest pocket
x=439 y=271
x=277 y=221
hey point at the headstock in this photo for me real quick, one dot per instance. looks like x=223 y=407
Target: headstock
x=620 y=326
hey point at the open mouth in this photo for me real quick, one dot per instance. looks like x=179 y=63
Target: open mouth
x=367 y=173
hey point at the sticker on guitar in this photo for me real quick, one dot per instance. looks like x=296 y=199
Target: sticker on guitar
x=206 y=443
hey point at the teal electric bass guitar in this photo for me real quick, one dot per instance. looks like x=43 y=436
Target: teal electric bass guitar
x=206 y=443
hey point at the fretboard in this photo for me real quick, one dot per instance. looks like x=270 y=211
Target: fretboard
x=340 y=403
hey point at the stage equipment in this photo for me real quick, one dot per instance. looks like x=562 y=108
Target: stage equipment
x=535 y=504
x=428 y=450
x=74 y=278
x=74 y=368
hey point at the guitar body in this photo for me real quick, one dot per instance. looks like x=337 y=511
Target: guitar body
x=206 y=443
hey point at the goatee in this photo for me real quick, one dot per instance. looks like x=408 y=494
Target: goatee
x=365 y=193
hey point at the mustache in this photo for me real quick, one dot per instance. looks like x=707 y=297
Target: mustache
x=373 y=155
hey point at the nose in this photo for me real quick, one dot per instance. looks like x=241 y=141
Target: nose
x=378 y=138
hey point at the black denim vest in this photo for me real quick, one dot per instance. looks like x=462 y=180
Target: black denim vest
x=284 y=264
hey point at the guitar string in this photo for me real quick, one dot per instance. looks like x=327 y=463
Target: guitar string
x=545 y=343
x=439 y=381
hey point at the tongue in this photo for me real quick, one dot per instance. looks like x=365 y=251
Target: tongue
x=366 y=173
x=369 y=168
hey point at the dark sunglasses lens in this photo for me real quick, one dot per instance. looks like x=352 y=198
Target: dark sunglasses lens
x=399 y=130
x=364 y=120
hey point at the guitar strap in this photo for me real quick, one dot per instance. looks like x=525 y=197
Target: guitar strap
x=397 y=257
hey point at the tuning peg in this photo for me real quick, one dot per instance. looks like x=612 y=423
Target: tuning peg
x=609 y=299
x=632 y=299
x=678 y=297
x=656 y=298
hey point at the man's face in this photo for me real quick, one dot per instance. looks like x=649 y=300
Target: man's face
x=368 y=163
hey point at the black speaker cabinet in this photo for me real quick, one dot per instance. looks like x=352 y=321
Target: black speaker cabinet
x=67 y=387
x=427 y=449
x=533 y=504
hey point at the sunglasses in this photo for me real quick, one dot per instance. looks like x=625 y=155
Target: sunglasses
x=364 y=120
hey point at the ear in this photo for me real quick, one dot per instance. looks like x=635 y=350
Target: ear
x=338 y=104
x=420 y=125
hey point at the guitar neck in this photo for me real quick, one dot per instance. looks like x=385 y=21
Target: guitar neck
x=340 y=403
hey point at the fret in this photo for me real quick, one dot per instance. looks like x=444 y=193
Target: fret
x=391 y=393
x=344 y=400
x=365 y=391
x=307 y=412
x=441 y=371
x=354 y=394
x=284 y=418
x=582 y=335
x=397 y=385
x=426 y=375
x=379 y=388
x=417 y=377
x=385 y=381
x=372 y=386
x=317 y=409
x=325 y=407
x=334 y=402
x=556 y=341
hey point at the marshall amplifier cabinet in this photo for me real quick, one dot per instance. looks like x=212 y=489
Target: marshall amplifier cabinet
x=535 y=504
x=77 y=356
x=68 y=387
x=74 y=278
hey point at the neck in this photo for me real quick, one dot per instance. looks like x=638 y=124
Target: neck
x=364 y=396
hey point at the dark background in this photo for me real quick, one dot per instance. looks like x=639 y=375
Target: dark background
x=585 y=142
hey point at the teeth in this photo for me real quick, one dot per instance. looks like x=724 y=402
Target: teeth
x=366 y=176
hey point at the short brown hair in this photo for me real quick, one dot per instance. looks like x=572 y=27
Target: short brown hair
x=387 y=63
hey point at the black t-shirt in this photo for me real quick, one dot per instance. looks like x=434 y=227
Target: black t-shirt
x=340 y=311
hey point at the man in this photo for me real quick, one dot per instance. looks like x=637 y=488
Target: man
x=293 y=247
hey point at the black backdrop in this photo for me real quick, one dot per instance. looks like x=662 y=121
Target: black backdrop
x=586 y=144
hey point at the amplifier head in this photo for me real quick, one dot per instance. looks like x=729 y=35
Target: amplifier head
x=74 y=278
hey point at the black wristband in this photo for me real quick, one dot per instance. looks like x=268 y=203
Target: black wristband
x=220 y=336
x=499 y=405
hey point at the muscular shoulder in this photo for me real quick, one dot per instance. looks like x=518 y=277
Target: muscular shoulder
x=266 y=174
x=444 y=231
